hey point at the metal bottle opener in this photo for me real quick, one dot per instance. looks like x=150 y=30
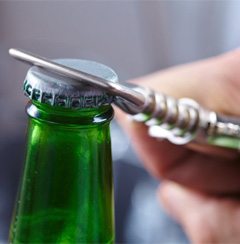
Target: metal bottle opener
x=180 y=121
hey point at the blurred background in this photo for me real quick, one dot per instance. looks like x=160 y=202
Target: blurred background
x=134 y=38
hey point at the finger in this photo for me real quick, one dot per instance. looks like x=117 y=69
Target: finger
x=156 y=155
x=209 y=173
x=214 y=82
x=205 y=219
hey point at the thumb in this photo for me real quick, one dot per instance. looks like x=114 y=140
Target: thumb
x=204 y=219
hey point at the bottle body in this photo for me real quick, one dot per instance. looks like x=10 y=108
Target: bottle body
x=66 y=194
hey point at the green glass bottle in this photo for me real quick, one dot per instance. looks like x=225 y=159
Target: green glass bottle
x=66 y=193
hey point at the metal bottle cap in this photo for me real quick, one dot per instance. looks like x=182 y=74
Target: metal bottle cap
x=56 y=90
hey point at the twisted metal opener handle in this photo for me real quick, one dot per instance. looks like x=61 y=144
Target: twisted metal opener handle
x=180 y=121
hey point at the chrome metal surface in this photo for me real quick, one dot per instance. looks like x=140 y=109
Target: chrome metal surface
x=79 y=77
x=180 y=121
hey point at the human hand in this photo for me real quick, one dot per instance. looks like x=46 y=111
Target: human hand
x=206 y=219
x=215 y=84
x=201 y=173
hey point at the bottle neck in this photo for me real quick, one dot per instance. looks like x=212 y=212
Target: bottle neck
x=66 y=194
x=60 y=115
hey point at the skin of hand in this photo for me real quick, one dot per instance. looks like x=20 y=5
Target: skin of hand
x=206 y=219
x=205 y=178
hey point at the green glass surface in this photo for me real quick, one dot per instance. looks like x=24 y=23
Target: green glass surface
x=66 y=195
